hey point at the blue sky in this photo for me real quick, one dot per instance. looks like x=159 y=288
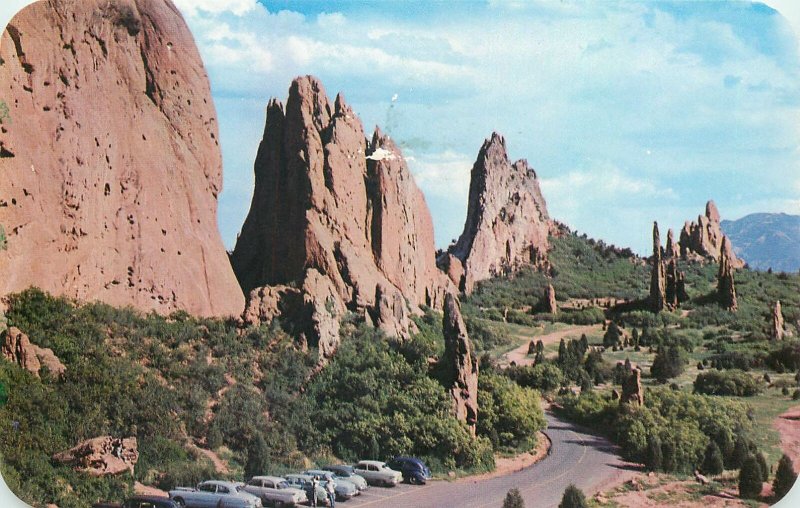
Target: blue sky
x=629 y=111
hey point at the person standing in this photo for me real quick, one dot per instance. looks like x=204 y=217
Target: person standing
x=314 y=485
x=331 y=490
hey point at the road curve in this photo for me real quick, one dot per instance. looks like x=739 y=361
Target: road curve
x=588 y=461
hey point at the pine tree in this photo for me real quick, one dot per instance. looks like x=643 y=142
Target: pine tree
x=762 y=463
x=712 y=461
x=573 y=498
x=784 y=477
x=750 y=478
x=258 y=459
x=668 y=456
x=513 y=499
x=740 y=452
x=654 y=457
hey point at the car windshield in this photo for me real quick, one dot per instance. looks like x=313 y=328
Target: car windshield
x=283 y=485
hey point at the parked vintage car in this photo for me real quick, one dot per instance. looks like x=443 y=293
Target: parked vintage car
x=412 y=468
x=140 y=502
x=214 y=494
x=343 y=489
x=345 y=472
x=303 y=481
x=275 y=491
x=378 y=473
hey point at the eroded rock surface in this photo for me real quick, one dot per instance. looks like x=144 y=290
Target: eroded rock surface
x=110 y=159
x=17 y=348
x=726 y=286
x=632 y=391
x=460 y=366
x=339 y=218
x=658 y=279
x=507 y=223
x=101 y=456
x=702 y=240
x=777 y=329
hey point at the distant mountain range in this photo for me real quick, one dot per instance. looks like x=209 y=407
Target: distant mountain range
x=766 y=240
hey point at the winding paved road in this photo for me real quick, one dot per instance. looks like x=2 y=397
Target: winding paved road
x=576 y=457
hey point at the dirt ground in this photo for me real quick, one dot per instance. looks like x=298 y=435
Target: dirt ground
x=520 y=355
x=788 y=426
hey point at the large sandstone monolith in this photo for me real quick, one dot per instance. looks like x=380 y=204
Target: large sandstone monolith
x=777 y=329
x=507 y=223
x=673 y=280
x=110 y=159
x=632 y=391
x=672 y=250
x=17 y=348
x=460 y=367
x=101 y=456
x=336 y=222
x=726 y=288
x=702 y=240
x=549 y=303
x=658 y=299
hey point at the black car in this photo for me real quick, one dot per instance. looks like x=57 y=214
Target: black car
x=412 y=468
x=140 y=502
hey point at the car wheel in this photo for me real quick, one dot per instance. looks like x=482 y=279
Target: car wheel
x=180 y=502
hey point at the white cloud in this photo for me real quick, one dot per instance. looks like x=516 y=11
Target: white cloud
x=444 y=174
x=333 y=19
x=236 y=7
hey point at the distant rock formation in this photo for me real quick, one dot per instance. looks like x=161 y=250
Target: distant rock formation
x=702 y=240
x=726 y=288
x=658 y=297
x=507 y=223
x=110 y=157
x=549 y=303
x=632 y=391
x=336 y=223
x=101 y=456
x=672 y=250
x=777 y=330
x=460 y=365
x=17 y=348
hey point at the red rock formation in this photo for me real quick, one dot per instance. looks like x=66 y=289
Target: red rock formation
x=338 y=217
x=672 y=250
x=726 y=288
x=702 y=240
x=549 y=303
x=460 y=364
x=777 y=329
x=507 y=223
x=17 y=348
x=632 y=391
x=110 y=160
x=101 y=456
x=658 y=299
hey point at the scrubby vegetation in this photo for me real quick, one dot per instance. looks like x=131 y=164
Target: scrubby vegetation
x=731 y=382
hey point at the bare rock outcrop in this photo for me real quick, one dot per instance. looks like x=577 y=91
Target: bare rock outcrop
x=460 y=366
x=702 y=240
x=658 y=279
x=507 y=223
x=726 y=287
x=777 y=329
x=339 y=218
x=101 y=456
x=673 y=249
x=17 y=348
x=632 y=391
x=549 y=303
x=110 y=159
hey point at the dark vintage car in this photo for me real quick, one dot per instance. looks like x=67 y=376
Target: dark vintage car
x=413 y=469
x=140 y=502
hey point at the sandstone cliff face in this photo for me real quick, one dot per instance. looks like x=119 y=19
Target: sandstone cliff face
x=460 y=364
x=507 y=223
x=726 y=287
x=17 y=348
x=336 y=217
x=111 y=166
x=702 y=240
x=102 y=456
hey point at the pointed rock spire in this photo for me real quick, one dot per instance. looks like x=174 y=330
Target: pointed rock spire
x=658 y=298
x=726 y=289
x=777 y=330
x=702 y=240
x=460 y=367
x=549 y=303
x=672 y=250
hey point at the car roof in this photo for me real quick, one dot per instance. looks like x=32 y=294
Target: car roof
x=373 y=462
x=271 y=478
x=299 y=475
x=222 y=482
x=316 y=472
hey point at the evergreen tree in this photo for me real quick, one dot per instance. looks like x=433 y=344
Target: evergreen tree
x=784 y=477
x=668 y=456
x=258 y=460
x=668 y=363
x=513 y=499
x=573 y=498
x=654 y=457
x=612 y=336
x=750 y=478
x=740 y=452
x=762 y=463
x=712 y=461
x=539 y=358
x=584 y=344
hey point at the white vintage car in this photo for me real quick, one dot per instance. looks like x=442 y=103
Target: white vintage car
x=275 y=491
x=378 y=473
x=214 y=494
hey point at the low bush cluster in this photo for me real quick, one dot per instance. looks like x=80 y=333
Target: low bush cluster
x=730 y=382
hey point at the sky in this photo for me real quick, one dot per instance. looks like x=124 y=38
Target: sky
x=629 y=111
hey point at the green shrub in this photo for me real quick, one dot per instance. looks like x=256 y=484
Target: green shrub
x=750 y=482
x=513 y=499
x=785 y=477
x=573 y=498
x=543 y=376
x=712 y=460
x=507 y=410
x=668 y=363
x=731 y=382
